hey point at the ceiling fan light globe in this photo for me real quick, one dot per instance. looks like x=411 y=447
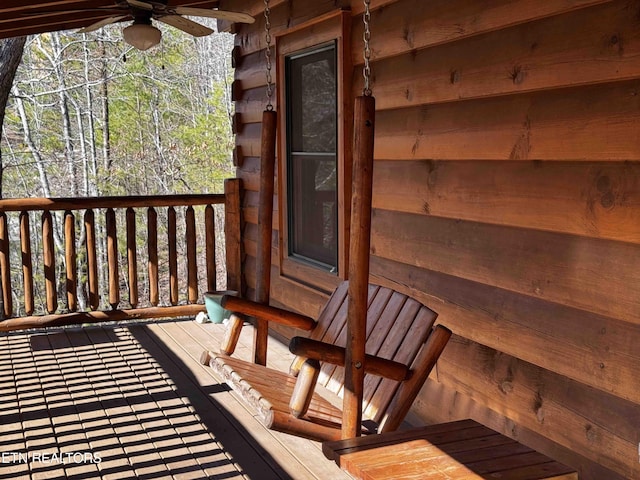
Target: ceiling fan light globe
x=141 y=36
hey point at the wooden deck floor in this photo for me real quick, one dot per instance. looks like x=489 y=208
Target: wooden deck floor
x=133 y=401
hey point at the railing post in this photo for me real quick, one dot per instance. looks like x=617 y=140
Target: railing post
x=27 y=265
x=233 y=233
x=5 y=269
x=192 y=265
x=48 y=254
x=112 y=259
x=173 y=255
x=132 y=259
x=152 y=239
x=70 y=260
x=210 y=242
x=92 y=261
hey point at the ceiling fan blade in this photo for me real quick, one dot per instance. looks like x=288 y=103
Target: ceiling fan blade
x=97 y=25
x=237 y=17
x=140 y=5
x=186 y=25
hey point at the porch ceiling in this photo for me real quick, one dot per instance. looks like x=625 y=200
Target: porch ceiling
x=26 y=17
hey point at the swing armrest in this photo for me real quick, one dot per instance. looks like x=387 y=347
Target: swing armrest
x=326 y=352
x=241 y=307
x=267 y=312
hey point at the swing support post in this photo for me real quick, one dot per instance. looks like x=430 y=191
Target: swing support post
x=265 y=208
x=265 y=216
x=360 y=243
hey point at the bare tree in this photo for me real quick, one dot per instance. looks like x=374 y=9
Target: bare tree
x=10 y=55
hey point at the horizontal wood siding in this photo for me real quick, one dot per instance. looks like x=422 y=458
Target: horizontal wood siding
x=507 y=197
x=589 y=199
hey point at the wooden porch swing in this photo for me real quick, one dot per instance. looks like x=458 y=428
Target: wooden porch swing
x=363 y=328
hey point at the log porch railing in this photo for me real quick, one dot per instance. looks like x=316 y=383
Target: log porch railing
x=61 y=270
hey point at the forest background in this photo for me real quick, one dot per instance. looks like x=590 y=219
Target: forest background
x=89 y=116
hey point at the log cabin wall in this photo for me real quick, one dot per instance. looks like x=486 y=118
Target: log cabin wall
x=506 y=197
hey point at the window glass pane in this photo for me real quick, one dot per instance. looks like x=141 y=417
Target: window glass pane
x=314 y=216
x=312 y=162
x=313 y=101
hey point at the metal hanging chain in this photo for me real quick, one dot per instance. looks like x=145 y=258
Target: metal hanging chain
x=267 y=54
x=366 y=71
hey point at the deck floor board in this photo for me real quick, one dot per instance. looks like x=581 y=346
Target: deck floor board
x=136 y=398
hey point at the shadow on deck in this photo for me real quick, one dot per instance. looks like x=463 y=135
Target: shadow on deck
x=132 y=401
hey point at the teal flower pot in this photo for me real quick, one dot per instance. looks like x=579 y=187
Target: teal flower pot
x=216 y=313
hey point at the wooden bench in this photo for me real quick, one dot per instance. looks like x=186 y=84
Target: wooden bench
x=455 y=450
x=402 y=348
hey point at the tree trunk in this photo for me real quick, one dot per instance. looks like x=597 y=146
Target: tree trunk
x=57 y=64
x=90 y=162
x=106 y=139
x=28 y=140
x=10 y=56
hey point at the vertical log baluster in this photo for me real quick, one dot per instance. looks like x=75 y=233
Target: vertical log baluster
x=49 y=262
x=173 y=257
x=27 y=265
x=70 y=259
x=192 y=266
x=152 y=242
x=112 y=258
x=132 y=260
x=210 y=243
x=5 y=266
x=92 y=261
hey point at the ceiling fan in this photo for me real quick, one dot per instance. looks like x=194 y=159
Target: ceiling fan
x=142 y=35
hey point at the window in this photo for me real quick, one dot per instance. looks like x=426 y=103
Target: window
x=311 y=92
x=314 y=167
